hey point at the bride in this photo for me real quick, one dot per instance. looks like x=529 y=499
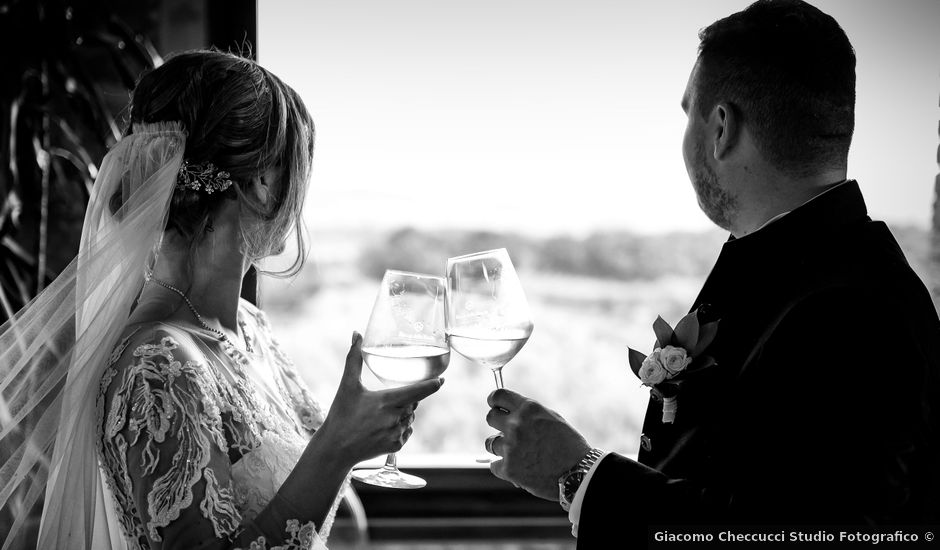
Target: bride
x=172 y=416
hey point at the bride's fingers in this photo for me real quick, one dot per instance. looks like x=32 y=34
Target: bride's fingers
x=402 y=420
x=399 y=439
x=415 y=392
x=406 y=419
x=353 y=361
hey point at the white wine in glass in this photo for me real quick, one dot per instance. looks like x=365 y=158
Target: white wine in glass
x=401 y=365
x=404 y=343
x=488 y=317
x=492 y=350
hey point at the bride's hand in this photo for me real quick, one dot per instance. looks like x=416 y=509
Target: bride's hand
x=363 y=424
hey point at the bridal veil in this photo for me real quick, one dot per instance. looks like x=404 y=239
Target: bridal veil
x=53 y=352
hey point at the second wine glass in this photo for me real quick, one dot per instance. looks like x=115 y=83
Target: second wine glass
x=404 y=343
x=488 y=318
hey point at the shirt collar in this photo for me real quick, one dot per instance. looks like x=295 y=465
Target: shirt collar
x=782 y=214
x=805 y=226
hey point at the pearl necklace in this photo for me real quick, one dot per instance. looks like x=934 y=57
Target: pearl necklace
x=192 y=308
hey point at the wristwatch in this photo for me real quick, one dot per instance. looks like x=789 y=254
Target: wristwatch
x=569 y=481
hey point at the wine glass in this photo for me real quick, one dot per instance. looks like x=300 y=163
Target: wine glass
x=404 y=343
x=487 y=313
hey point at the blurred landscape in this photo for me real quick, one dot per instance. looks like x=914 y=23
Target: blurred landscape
x=590 y=298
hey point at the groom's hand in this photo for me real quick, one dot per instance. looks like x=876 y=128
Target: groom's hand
x=535 y=443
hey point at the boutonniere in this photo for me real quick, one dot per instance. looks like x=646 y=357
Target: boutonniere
x=677 y=354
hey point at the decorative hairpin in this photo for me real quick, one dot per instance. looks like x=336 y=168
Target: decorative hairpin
x=206 y=177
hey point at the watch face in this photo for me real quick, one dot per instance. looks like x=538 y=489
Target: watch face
x=572 y=482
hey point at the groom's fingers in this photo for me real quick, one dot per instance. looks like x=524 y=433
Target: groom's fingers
x=497 y=418
x=498 y=468
x=490 y=444
x=505 y=399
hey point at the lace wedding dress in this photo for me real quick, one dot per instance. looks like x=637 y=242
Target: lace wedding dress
x=196 y=435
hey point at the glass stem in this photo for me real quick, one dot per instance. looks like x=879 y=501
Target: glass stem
x=498 y=375
x=391 y=462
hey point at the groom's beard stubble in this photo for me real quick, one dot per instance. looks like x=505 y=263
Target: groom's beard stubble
x=718 y=204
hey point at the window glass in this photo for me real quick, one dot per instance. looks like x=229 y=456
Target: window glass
x=552 y=129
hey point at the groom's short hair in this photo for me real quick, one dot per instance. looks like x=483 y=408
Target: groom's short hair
x=788 y=69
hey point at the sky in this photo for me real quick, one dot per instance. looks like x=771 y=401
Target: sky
x=561 y=116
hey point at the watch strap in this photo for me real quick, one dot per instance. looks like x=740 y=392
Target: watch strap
x=570 y=481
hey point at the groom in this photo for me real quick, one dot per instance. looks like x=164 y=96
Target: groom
x=823 y=407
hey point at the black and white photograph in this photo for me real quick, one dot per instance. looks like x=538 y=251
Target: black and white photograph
x=677 y=261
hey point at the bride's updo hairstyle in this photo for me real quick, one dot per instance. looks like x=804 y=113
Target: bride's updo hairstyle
x=245 y=121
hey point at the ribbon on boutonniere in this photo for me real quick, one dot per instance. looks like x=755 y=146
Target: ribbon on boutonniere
x=677 y=354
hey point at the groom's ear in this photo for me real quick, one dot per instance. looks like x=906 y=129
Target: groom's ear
x=725 y=127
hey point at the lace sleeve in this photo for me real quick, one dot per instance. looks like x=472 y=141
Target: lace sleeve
x=164 y=452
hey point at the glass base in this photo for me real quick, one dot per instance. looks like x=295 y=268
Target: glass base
x=487 y=458
x=389 y=477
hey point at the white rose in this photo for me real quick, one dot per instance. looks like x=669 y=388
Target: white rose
x=674 y=360
x=652 y=371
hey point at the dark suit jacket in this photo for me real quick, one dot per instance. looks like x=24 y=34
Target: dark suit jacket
x=823 y=407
